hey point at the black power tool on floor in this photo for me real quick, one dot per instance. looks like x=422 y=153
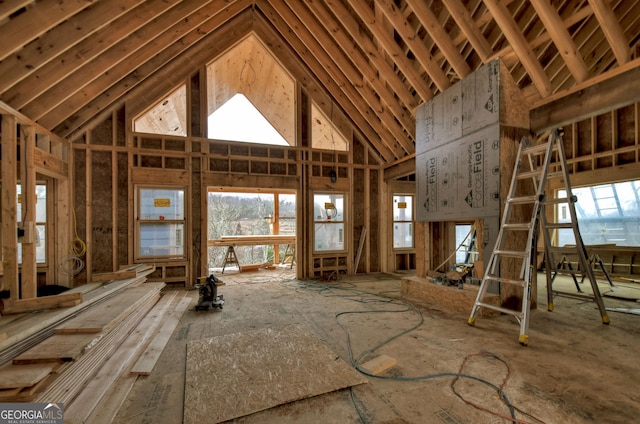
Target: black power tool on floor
x=208 y=290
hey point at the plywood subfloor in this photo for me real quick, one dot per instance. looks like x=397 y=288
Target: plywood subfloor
x=257 y=370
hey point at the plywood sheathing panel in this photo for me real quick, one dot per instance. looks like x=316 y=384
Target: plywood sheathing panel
x=257 y=370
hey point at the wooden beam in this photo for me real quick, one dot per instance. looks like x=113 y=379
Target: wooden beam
x=612 y=30
x=393 y=50
x=74 y=30
x=617 y=91
x=349 y=49
x=357 y=112
x=440 y=37
x=389 y=9
x=345 y=74
x=513 y=34
x=39 y=18
x=9 y=7
x=20 y=306
x=5 y=109
x=385 y=69
x=561 y=38
x=28 y=280
x=123 y=56
x=467 y=25
x=9 y=145
x=49 y=165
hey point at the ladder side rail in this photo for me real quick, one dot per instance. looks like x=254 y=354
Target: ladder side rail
x=581 y=249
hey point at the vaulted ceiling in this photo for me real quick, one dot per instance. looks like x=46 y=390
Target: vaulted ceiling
x=64 y=62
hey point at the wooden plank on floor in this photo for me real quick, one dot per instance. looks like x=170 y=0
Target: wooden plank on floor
x=20 y=306
x=378 y=365
x=116 y=275
x=12 y=376
x=110 y=313
x=67 y=386
x=257 y=370
x=117 y=364
x=57 y=348
x=111 y=403
x=144 y=365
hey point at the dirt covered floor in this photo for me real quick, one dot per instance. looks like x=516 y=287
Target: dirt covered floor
x=575 y=369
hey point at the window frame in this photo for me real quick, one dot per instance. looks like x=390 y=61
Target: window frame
x=139 y=221
x=328 y=221
x=412 y=221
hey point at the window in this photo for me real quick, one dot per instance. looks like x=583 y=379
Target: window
x=41 y=222
x=465 y=240
x=402 y=221
x=328 y=217
x=161 y=223
x=606 y=214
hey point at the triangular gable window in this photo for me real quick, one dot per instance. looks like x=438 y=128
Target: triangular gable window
x=169 y=117
x=250 y=96
x=239 y=120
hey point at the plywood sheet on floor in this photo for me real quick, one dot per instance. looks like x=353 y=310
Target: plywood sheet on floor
x=257 y=370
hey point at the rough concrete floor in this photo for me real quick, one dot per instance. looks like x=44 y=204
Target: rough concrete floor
x=575 y=369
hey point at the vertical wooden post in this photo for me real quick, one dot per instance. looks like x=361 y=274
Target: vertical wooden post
x=9 y=206
x=28 y=218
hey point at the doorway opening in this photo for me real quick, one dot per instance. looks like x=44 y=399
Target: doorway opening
x=258 y=225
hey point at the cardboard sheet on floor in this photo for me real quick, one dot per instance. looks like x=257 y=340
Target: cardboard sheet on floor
x=239 y=374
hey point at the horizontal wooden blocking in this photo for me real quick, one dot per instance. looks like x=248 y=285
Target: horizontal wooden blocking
x=378 y=365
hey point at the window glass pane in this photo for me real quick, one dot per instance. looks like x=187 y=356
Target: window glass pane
x=462 y=231
x=329 y=236
x=328 y=207
x=159 y=204
x=41 y=203
x=607 y=214
x=287 y=205
x=403 y=234
x=403 y=208
x=41 y=219
x=161 y=239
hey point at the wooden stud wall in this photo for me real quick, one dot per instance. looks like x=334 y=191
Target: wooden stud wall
x=30 y=154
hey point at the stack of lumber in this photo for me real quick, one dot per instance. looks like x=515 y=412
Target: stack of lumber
x=22 y=331
x=104 y=322
x=91 y=362
x=89 y=359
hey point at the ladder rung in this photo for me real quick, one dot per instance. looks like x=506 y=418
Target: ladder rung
x=517 y=314
x=529 y=174
x=580 y=296
x=520 y=283
x=558 y=225
x=522 y=200
x=517 y=226
x=556 y=201
x=538 y=148
x=511 y=253
x=567 y=271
